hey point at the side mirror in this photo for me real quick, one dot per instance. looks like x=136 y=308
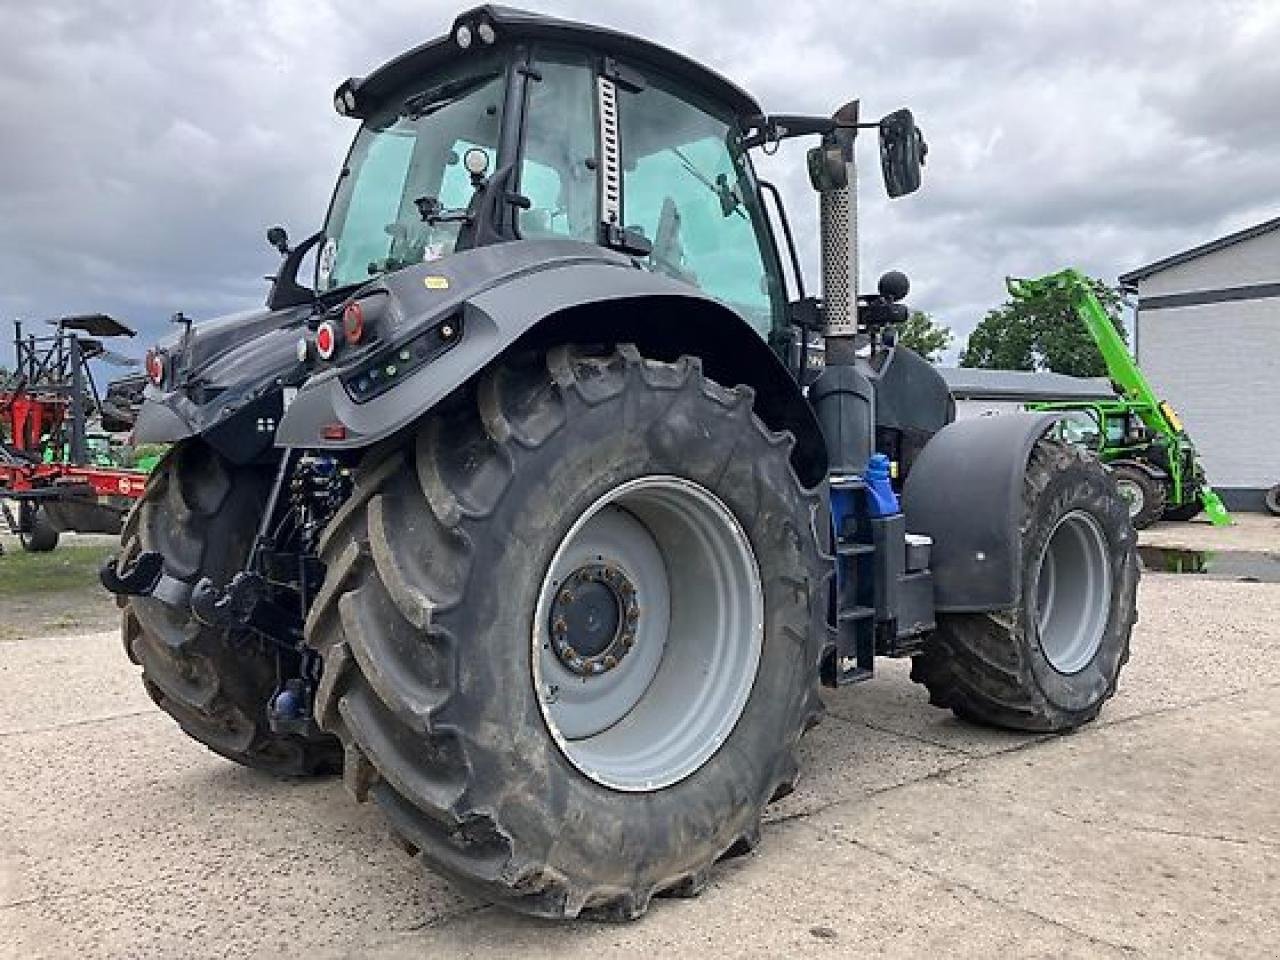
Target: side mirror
x=278 y=237
x=902 y=152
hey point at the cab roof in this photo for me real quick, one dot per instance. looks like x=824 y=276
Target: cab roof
x=515 y=25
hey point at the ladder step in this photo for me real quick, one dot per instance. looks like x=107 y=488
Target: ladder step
x=856 y=613
x=854 y=549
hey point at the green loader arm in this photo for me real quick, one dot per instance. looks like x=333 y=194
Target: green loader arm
x=1157 y=414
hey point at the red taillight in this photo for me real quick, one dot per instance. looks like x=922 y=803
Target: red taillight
x=333 y=431
x=353 y=322
x=326 y=340
x=155 y=366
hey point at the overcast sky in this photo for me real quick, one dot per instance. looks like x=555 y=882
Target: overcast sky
x=145 y=145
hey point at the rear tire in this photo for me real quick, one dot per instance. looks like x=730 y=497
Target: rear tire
x=1048 y=664
x=36 y=533
x=428 y=629
x=201 y=513
x=1144 y=494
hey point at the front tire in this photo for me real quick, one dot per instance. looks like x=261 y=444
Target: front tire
x=1144 y=494
x=436 y=623
x=1050 y=663
x=201 y=513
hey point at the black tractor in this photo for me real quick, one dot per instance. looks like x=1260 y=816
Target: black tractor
x=544 y=512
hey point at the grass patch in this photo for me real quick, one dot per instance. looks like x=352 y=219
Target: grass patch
x=67 y=568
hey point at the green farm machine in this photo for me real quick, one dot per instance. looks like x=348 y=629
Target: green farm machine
x=545 y=508
x=1138 y=436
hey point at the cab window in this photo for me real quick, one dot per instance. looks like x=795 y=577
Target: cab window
x=690 y=192
x=1080 y=427
x=557 y=172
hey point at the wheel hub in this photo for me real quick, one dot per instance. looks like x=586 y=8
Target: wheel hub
x=1131 y=493
x=593 y=619
x=647 y=633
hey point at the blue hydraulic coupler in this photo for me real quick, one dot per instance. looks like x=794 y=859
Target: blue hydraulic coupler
x=881 y=500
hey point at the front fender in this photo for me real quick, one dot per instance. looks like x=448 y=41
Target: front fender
x=965 y=491
x=225 y=382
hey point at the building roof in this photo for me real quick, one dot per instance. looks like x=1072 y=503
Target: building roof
x=1213 y=246
x=969 y=383
x=516 y=25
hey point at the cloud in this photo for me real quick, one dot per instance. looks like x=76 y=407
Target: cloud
x=146 y=146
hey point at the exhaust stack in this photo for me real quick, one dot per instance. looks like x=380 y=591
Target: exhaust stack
x=833 y=173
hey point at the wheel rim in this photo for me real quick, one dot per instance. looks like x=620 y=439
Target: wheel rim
x=1073 y=592
x=1133 y=496
x=647 y=633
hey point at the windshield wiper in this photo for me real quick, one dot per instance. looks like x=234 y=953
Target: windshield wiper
x=730 y=202
x=434 y=98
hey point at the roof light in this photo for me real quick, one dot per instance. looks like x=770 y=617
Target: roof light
x=486 y=32
x=349 y=100
x=339 y=104
x=462 y=36
x=326 y=340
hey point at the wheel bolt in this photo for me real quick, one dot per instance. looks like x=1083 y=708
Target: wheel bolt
x=560 y=627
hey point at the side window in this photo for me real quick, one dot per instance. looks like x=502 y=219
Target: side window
x=692 y=198
x=558 y=171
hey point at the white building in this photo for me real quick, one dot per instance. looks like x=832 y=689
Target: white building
x=1208 y=338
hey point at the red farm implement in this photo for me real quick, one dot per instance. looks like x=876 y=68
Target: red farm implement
x=49 y=467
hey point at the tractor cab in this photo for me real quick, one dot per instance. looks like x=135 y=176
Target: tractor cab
x=520 y=127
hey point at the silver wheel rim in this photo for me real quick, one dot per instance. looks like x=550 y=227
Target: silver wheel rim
x=676 y=559
x=1073 y=592
x=1133 y=496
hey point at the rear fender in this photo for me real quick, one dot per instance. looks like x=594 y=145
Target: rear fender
x=965 y=492
x=537 y=293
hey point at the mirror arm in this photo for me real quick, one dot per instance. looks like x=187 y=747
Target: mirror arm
x=775 y=128
x=286 y=291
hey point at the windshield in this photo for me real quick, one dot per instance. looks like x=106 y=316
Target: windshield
x=404 y=176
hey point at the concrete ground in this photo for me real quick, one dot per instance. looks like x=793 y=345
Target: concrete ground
x=1154 y=832
x=1254 y=532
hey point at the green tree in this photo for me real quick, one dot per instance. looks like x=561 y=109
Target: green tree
x=1041 y=333
x=925 y=335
